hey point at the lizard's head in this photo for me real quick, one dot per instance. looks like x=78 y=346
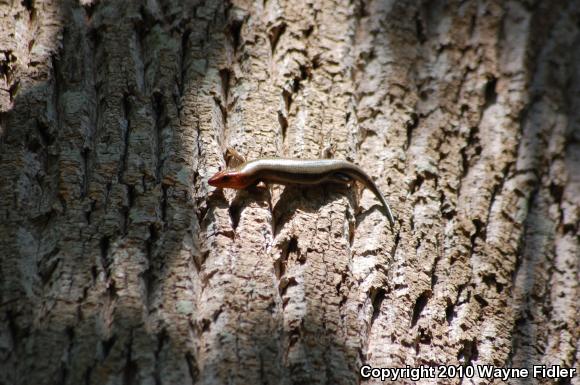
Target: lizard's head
x=230 y=179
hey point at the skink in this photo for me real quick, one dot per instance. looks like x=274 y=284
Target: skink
x=297 y=171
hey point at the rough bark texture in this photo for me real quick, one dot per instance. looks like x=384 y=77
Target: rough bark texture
x=120 y=265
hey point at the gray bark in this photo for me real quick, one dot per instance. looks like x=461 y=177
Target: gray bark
x=120 y=265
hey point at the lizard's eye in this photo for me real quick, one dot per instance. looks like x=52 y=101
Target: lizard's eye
x=225 y=177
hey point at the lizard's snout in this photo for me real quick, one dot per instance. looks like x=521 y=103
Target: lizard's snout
x=214 y=180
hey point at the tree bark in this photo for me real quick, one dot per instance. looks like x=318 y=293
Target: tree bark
x=121 y=265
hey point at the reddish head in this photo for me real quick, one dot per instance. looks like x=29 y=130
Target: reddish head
x=231 y=179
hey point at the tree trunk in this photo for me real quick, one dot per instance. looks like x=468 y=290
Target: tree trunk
x=121 y=265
